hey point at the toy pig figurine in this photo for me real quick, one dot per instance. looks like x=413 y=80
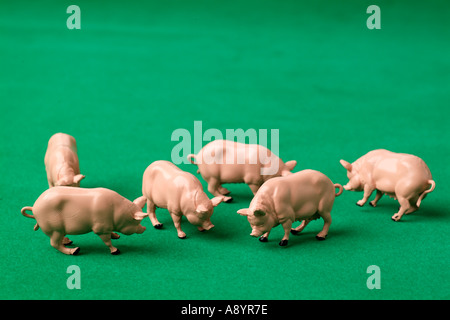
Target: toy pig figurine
x=402 y=176
x=61 y=161
x=305 y=195
x=164 y=185
x=68 y=210
x=223 y=161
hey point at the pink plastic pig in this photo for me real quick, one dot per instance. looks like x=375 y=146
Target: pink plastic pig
x=164 y=185
x=402 y=176
x=223 y=161
x=305 y=195
x=61 y=161
x=69 y=210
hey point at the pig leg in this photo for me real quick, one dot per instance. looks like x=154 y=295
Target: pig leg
x=177 y=223
x=287 y=226
x=265 y=237
x=326 y=216
x=151 y=210
x=412 y=205
x=301 y=226
x=66 y=241
x=106 y=237
x=404 y=207
x=373 y=203
x=367 y=193
x=223 y=190
x=214 y=187
x=56 y=241
x=114 y=235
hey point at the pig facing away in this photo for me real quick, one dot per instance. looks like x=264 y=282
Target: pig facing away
x=61 y=161
x=305 y=195
x=69 y=210
x=164 y=185
x=223 y=161
x=402 y=176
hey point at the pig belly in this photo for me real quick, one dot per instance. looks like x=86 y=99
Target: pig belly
x=386 y=185
x=307 y=210
x=233 y=173
x=160 y=198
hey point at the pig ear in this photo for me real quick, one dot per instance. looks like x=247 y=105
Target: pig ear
x=346 y=165
x=244 y=212
x=290 y=165
x=285 y=173
x=139 y=215
x=78 y=178
x=140 y=202
x=259 y=213
x=216 y=200
x=201 y=208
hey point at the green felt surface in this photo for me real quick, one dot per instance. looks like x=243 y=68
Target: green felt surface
x=135 y=72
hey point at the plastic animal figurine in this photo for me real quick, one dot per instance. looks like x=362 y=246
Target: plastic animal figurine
x=402 y=176
x=61 y=161
x=69 y=210
x=305 y=195
x=166 y=186
x=223 y=161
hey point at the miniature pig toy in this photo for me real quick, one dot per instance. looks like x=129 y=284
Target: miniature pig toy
x=61 y=161
x=69 y=210
x=164 y=185
x=223 y=161
x=402 y=176
x=306 y=195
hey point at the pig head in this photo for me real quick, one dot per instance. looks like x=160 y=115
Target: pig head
x=200 y=214
x=261 y=220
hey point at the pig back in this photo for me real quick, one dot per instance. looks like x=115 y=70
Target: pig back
x=394 y=167
x=299 y=190
x=62 y=139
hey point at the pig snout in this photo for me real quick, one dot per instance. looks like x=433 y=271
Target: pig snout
x=256 y=233
x=207 y=225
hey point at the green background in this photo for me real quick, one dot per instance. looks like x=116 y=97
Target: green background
x=136 y=71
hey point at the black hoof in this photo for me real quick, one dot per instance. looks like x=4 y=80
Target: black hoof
x=182 y=237
x=371 y=204
x=68 y=243
x=158 y=226
x=320 y=238
x=293 y=231
x=358 y=204
x=263 y=239
x=77 y=251
x=283 y=243
x=229 y=200
x=115 y=253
